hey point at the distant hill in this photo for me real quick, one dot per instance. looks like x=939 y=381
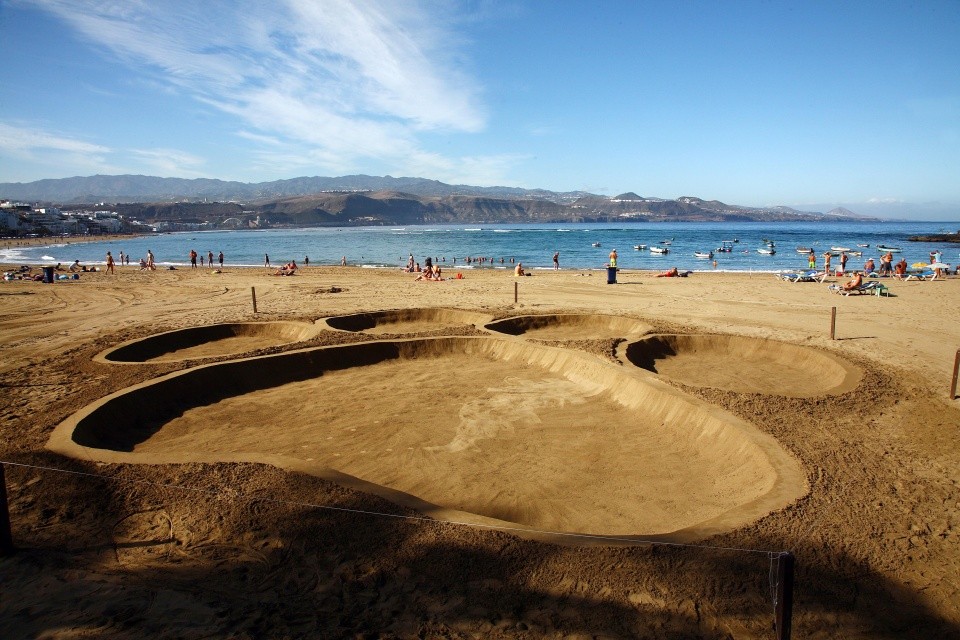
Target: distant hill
x=361 y=199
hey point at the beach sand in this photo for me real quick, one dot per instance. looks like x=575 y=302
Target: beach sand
x=209 y=534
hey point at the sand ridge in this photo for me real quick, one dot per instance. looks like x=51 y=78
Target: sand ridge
x=547 y=439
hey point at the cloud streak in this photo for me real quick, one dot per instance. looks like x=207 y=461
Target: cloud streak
x=334 y=81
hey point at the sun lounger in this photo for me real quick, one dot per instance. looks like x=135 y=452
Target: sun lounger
x=921 y=275
x=806 y=276
x=872 y=287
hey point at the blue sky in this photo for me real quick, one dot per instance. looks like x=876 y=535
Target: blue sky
x=806 y=104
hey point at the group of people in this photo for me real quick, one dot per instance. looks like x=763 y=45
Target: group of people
x=194 y=256
x=287 y=270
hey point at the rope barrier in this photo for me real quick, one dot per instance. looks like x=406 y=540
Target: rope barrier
x=238 y=495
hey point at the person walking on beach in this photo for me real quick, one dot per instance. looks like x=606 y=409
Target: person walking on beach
x=121 y=258
x=306 y=261
x=343 y=261
x=150 y=261
x=220 y=257
x=210 y=259
x=193 y=259
x=556 y=260
x=266 y=259
x=110 y=264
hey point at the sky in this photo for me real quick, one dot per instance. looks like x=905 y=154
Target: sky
x=809 y=104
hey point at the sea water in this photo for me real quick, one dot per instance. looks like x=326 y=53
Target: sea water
x=581 y=246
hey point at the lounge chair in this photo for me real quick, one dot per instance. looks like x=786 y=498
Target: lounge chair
x=926 y=274
x=806 y=276
x=872 y=287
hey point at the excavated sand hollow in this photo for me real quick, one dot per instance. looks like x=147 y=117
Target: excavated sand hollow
x=209 y=341
x=405 y=320
x=483 y=429
x=745 y=365
x=570 y=327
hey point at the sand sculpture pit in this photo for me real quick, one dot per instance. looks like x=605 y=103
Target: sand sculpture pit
x=208 y=341
x=488 y=430
x=746 y=365
x=402 y=321
x=570 y=327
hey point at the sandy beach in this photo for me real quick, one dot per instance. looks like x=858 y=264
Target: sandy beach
x=409 y=496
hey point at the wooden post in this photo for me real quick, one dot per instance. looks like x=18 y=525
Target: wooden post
x=6 y=538
x=956 y=372
x=784 y=615
x=253 y=292
x=833 y=323
x=515 y=292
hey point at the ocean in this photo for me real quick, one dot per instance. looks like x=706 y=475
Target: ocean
x=532 y=244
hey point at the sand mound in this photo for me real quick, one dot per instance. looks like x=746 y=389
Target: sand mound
x=748 y=365
x=570 y=327
x=208 y=341
x=537 y=436
x=405 y=320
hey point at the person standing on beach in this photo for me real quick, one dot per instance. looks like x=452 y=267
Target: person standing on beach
x=843 y=263
x=150 y=261
x=193 y=259
x=220 y=257
x=343 y=261
x=613 y=258
x=306 y=261
x=121 y=258
x=110 y=264
x=812 y=260
x=266 y=259
x=556 y=260
x=210 y=258
x=826 y=262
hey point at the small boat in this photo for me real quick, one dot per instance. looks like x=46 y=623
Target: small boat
x=804 y=249
x=863 y=245
x=768 y=251
x=840 y=249
x=734 y=241
x=639 y=247
x=856 y=254
x=666 y=241
x=596 y=244
x=725 y=247
x=703 y=255
x=883 y=247
x=659 y=250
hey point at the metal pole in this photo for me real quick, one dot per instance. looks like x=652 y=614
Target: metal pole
x=784 y=619
x=956 y=371
x=253 y=292
x=6 y=538
x=515 y=292
x=833 y=323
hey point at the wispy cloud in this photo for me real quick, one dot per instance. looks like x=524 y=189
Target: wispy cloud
x=26 y=146
x=19 y=139
x=169 y=162
x=336 y=81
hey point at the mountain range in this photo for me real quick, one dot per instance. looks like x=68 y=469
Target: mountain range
x=362 y=199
